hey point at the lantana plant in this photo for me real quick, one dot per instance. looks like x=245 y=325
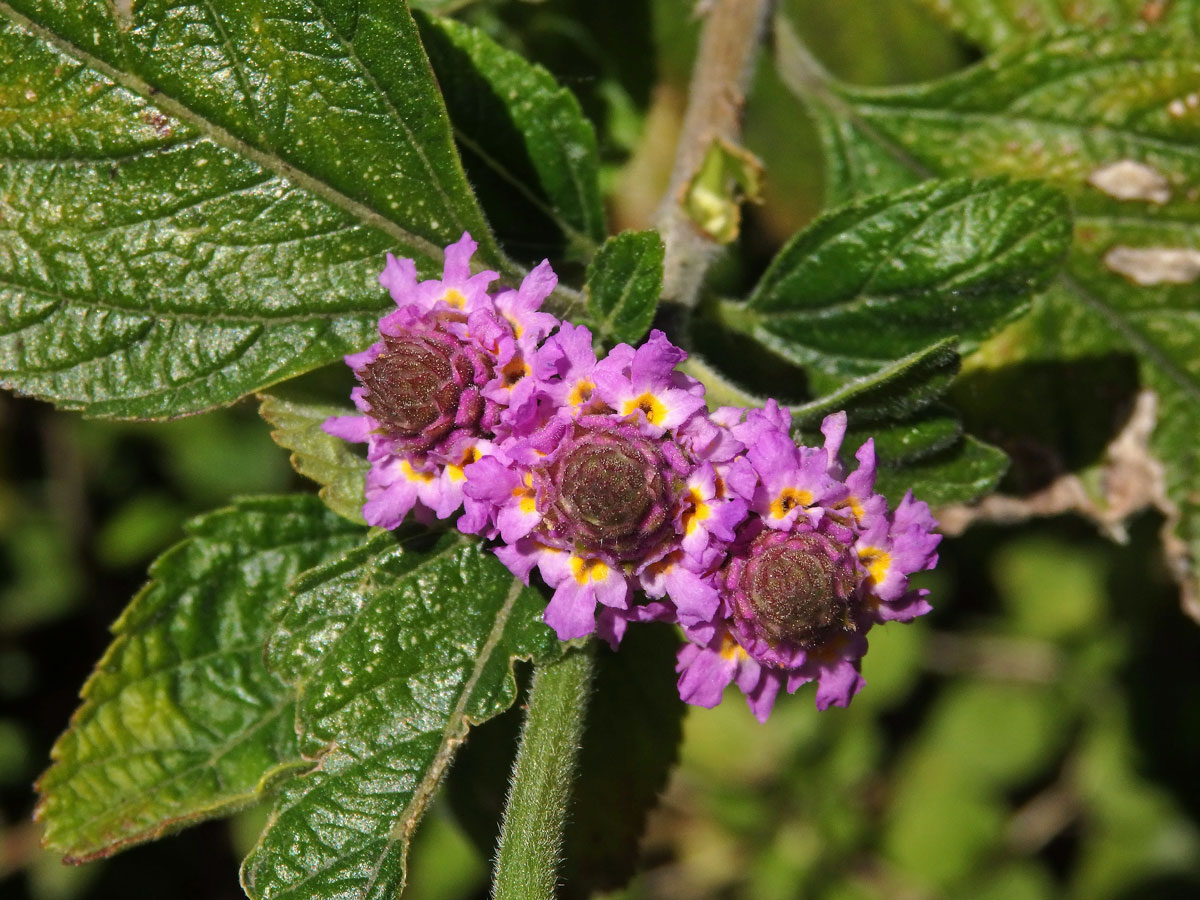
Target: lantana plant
x=542 y=413
x=613 y=479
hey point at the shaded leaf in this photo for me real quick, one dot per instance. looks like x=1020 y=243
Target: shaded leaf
x=516 y=123
x=898 y=389
x=631 y=742
x=904 y=441
x=927 y=452
x=181 y=721
x=991 y=23
x=327 y=460
x=1107 y=118
x=887 y=276
x=962 y=473
x=205 y=194
x=395 y=651
x=624 y=282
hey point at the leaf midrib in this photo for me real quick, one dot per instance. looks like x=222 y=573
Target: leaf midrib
x=453 y=733
x=348 y=47
x=224 y=137
x=61 y=298
x=1142 y=344
x=212 y=752
x=200 y=812
x=874 y=111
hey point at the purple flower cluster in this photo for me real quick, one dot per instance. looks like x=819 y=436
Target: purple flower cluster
x=631 y=499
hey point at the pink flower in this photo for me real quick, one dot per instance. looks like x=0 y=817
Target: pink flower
x=631 y=501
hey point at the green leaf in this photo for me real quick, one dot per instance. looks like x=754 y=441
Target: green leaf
x=992 y=23
x=624 y=282
x=903 y=442
x=961 y=473
x=395 y=651
x=927 y=452
x=1111 y=119
x=887 y=276
x=517 y=125
x=630 y=744
x=327 y=460
x=181 y=721
x=205 y=194
x=897 y=390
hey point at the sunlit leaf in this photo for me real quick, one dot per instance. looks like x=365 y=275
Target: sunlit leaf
x=1113 y=120
x=206 y=193
x=888 y=276
x=993 y=22
x=624 y=282
x=394 y=651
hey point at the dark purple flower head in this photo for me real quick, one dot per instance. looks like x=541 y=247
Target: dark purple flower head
x=424 y=382
x=608 y=489
x=808 y=576
x=791 y=592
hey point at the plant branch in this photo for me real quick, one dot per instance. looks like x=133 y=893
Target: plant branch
x=539 y=793
x=731 y=34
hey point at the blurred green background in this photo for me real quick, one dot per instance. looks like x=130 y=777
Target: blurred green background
x=1035 y=737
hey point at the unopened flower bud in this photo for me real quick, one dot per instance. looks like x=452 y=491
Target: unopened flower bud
x=607 y=489
x=794 y=588
x=423 y=384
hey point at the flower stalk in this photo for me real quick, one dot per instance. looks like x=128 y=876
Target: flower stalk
x=531 y=837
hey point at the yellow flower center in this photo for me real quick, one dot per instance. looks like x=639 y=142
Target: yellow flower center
x=527 y=501
x=655 y=412
x=581 y=393
x=455 y=470
x=412 y=474
x=698 y=513
x=586 y=570
x=877 y=561
x=789 y=499
x=514 y=370
x=517 y=328
x=730 y=649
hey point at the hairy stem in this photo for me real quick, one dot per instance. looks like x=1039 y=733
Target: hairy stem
x=719 y=390
x=731 y=35
x=540 y=790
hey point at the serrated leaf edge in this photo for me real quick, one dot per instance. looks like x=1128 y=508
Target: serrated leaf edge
x=453 y=735
x=192 y=531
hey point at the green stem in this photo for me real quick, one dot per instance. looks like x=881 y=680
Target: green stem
x=540 y=790
x=718 y=390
